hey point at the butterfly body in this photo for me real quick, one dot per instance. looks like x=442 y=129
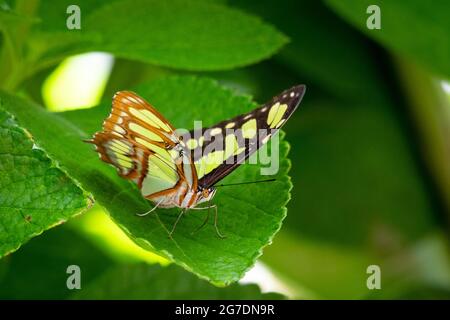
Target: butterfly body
x=174 y=170
x=182 y=197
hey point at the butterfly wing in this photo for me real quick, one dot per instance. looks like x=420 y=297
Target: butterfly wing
x=220 y=149
x=141 y=144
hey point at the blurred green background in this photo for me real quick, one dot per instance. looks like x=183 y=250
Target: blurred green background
x=370 y=151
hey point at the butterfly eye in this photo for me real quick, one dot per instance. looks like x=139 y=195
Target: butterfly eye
x=205 y=193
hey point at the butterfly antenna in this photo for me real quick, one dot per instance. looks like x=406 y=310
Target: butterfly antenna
x=247 y=182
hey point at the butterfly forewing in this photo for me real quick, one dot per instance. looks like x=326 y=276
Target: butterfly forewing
x=218 y=150
x=140 y=143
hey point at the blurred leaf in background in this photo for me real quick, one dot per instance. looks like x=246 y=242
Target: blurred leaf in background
x=39 y=271
x=361 y=195
x=414 y=29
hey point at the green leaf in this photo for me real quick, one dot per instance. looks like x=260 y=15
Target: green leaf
x=414 y=29
x=9 y=18
x=34 y=194
x=185 y=34
x=39 y=269
x=321 y=270
x=249 y=215
x=160 y=283
x=358 y=159
x=331 y=271
x=322 y=47
x=53 y=13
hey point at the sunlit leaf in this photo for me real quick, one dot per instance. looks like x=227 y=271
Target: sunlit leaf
x=186 y=34
x=34 y=194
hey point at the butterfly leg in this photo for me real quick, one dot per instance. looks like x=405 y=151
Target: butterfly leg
x=176 y=222
x=151 y=210
x=204 y=222
x=215 y=223
x=207 y=218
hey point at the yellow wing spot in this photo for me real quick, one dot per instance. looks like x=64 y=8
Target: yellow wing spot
x=191 y=144
x=120 y=159
x=159 y=176
x=231 y=145
x=149 y=117
x=266 y=138
x=124 y=163
x=216 y=131
x=209 y=162
x=163 y=154
x=249 y=129
x=276 y=113
x=201 y=140
x=214 y=159
x=119 y=145
x=145 y=143
x=238 y=151
x=230 y=125
x=118 y=135
x=174 y=154
x=132 y=99
x=280 y=123
x=200 y=167
x=145 y=132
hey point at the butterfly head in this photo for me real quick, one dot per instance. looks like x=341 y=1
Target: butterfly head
x=205 y=194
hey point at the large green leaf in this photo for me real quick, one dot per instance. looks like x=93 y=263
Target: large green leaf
x=34 y=194
x=415 y=29
x=186 y=34
x=249 y=215
x=43 y=263
x=39 y=269
x=160 y=283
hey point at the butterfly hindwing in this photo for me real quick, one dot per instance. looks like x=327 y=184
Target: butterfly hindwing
x=218 y=150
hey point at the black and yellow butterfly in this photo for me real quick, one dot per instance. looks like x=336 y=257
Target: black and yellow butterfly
x=173 y=170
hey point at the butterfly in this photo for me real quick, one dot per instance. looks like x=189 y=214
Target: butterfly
x=182 y=170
